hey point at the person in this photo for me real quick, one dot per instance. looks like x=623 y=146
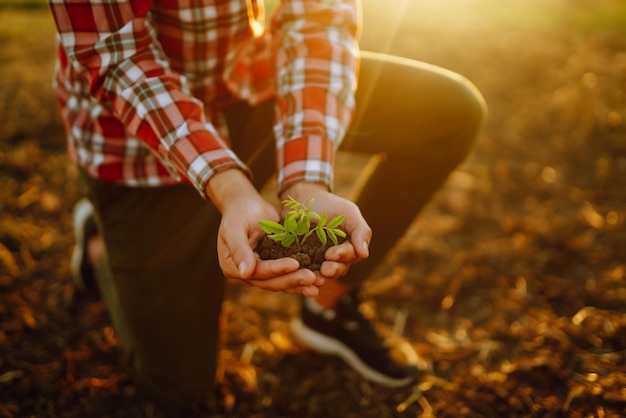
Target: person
x=177 y=113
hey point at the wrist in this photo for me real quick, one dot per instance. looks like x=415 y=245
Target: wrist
x=226 y=186
x=302 y=190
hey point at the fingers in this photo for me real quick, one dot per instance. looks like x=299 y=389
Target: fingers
x=359 y=231
x=349 y=252
x=341 y=257
x=286 y=266
x=344 y=252
x=360 y=235
x=294 y=281
x=355 y=224
x=236 y=261
x=361 y=244
x=334 y=270
x=239 y=233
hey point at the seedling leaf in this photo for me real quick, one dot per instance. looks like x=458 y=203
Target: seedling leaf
x=322 y=220
x=302 y=227
x=288 y=240
x=278 y=237
x=321 y=235
x=336 y=221
x=332 y=236
x=291 y=225
x=296 y=226
x=271 y=227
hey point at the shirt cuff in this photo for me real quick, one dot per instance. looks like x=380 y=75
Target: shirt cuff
x=309 y=159
x=199 y=159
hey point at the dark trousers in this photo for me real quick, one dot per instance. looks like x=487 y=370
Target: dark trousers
x=160 y=277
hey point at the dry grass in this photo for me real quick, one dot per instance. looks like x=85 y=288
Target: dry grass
x=510 y=285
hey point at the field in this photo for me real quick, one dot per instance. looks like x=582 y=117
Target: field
x=510 y=285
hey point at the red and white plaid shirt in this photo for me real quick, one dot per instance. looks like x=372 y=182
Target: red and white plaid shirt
x=141 y=84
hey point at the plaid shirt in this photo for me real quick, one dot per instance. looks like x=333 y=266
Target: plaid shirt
x=141 y=83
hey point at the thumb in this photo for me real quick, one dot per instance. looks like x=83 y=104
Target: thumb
x=246 y=268
x=361 y=243
x=237 y=253
x=244 y=259
x=360 y=235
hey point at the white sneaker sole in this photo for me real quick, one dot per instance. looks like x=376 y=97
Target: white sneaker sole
x=323 y=344
x=82 y=211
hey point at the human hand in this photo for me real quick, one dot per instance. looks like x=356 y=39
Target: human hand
x=242 y=208
x=341 y=257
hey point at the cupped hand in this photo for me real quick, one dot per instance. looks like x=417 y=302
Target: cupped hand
x=242 y=208
x=340 y=257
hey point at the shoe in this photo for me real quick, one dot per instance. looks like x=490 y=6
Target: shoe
x=82 y=267
x=346 y=333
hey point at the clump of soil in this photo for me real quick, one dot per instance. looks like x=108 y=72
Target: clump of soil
x=310 y=254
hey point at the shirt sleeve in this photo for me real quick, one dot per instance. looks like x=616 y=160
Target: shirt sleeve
x=114 y=48
x=316 y=76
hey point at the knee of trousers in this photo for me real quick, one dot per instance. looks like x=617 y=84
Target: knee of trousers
x=466 y=114
x=454 y=126
x=437 y=112
x=457 y=119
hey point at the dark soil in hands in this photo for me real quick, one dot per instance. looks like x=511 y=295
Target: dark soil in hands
x=310 y=254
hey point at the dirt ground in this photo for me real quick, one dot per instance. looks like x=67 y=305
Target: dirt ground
x=510 y=285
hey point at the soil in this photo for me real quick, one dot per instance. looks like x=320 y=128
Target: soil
x=310 y=254
x=510 y=285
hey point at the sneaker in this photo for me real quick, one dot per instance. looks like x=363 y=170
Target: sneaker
x=346 y=333
x=82 y=268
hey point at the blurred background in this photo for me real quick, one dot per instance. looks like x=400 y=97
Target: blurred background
x=510 y=285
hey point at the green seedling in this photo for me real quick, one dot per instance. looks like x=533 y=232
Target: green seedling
x=297 y=224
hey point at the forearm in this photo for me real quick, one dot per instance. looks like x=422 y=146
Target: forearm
x=123 y=68
x=316 y=64
x=226 y=186
x=302 y=190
